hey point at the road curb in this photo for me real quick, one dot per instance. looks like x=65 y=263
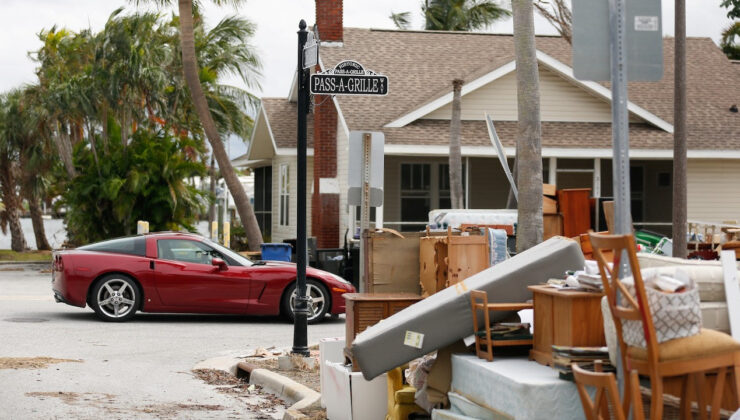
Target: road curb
x=34 y=263
x=299 y=395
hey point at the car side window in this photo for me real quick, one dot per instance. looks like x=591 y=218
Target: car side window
x=185 y=251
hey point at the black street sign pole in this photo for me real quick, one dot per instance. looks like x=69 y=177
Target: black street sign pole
x=300 y=326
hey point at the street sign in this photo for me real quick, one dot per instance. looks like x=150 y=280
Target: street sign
x=310 y=52
x=358 y=163
x=349 y=78
x=643 y=32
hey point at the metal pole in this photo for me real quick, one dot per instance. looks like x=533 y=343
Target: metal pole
x=620 y=136
x=300 y=325
x=365 y=204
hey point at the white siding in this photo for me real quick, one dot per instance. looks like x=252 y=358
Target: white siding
x=559 y=101
x=342 y=178
x=713 y=190
x=279 y=233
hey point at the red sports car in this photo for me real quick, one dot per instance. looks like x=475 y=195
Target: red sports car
x=182 y=272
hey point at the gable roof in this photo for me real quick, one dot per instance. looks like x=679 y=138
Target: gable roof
x=421 y=65
x=544 y=60
x=283 y=117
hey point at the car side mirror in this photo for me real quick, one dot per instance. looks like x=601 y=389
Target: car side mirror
x=221 y=264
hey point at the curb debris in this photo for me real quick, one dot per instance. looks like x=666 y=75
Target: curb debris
x=291 y=391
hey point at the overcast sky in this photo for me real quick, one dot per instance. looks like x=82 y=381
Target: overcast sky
x=277 y=23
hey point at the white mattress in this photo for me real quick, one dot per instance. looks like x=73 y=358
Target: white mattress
x=516 y=387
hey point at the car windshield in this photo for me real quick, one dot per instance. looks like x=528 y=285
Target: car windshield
x=231 y=254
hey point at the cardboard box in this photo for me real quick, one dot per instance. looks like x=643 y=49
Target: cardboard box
x=553 y=225
x=549 y=189
x=351 y=397
x=549 y=206
x=392 y=262
x=330 y=350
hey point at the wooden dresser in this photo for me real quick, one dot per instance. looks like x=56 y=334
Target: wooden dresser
x=366 y=309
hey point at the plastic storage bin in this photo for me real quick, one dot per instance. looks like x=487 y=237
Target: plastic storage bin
x=276 y=252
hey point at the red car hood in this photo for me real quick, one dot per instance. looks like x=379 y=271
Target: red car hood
x=309 y=269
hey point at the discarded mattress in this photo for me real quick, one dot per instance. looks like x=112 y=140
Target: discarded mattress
x=441 y=219
x=445 y=317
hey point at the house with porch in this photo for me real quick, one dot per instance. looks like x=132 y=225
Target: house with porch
x=415 y=119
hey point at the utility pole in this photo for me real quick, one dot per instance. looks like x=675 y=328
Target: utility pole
x=300 y=323
x=679 y=218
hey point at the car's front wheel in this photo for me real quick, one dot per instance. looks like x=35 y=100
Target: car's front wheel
x=318 y=301
x=115 y=298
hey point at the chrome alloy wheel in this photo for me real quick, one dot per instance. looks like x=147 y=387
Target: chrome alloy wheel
x=316 y=301
x=116 y=298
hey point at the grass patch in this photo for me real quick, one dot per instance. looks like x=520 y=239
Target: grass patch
x=28 y=256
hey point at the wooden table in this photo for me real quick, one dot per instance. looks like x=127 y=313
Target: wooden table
x=566 y=318
x=366 y=309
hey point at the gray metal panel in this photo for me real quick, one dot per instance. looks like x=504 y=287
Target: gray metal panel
x=591 y=40
x=354 y=196
x=445 y=317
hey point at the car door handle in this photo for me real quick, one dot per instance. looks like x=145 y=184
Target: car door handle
x=151 y=264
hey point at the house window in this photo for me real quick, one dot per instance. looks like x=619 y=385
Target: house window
x=263 y=200
x=443 y=176
x=284 y=194
x=416 y=191
x=424 y=187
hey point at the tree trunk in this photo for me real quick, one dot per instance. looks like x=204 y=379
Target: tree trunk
x=38 y=223
x=456 y=187
x=190 y=68
x=12 y=204
x=106 y=135
x=64 y=148
x=93 y=146
x=212 y=206
x=679 y=135
x=528 y=142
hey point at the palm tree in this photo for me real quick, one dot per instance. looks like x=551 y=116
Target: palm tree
x=529 y=131
x=200 y=102
x=455 y=15
x=36 y=161
x=9 y=156
x=730 y=41
x=455 y=160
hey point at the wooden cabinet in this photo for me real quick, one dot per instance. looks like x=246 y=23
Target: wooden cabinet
x=575 y=206
x=566 y=318
x=366 y=309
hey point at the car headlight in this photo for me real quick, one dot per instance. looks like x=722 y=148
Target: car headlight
x=339 y=279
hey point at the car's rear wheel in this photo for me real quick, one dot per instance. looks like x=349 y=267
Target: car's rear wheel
x=318 y=301
x=115 y=298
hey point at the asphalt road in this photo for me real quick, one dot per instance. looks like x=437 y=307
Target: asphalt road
x=139 y=369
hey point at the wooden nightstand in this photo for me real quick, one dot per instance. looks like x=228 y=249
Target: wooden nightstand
x=566 y=318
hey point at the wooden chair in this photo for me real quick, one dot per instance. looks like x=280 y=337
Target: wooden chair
x=687 y=357
x=479 y=302
x=606 y=394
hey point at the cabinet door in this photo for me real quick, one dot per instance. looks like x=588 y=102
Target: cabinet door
x=367 y=314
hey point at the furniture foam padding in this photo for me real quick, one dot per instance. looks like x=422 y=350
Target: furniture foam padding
x=445 y=317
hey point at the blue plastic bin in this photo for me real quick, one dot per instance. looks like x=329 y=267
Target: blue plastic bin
x=276 y=252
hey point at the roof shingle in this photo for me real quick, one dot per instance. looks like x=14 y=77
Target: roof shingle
x=420 y=66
